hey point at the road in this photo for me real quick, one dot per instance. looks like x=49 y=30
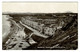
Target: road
x=34 y=31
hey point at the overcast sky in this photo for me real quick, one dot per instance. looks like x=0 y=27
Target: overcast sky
x=39 y=7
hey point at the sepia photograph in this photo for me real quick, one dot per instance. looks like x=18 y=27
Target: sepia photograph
x=39 y=25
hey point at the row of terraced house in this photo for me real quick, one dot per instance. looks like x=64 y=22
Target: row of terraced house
x=46 y=26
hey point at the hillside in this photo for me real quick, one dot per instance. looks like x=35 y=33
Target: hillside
x=65 y=38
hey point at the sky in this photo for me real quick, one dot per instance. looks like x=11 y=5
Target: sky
x=40 y=7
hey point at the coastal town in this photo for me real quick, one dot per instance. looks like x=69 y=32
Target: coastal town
x=28 y=31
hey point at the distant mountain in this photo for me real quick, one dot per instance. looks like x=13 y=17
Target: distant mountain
x=69 y=12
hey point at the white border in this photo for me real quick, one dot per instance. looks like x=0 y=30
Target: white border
x=78 y=50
